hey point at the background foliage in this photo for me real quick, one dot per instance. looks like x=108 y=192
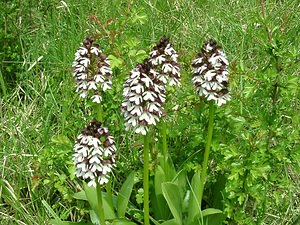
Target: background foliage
x=256 y=155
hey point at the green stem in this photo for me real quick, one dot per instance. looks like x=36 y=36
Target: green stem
x=164 y=145
x=207 y=149
x=109 y=193
x=99 y=112
x=146 y=179
x=100 y=204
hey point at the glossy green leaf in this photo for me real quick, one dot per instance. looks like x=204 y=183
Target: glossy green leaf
x=80 y=195
x=94 y=217
x=194 y=206
x=211 y=211
x=91 y=195
x=122 y=222
x=170 y=192
x=159 y=204
x=124 y=195
x=170 y=222
x=58 y=222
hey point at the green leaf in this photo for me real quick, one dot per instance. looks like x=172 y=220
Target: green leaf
x=211 y=211
x=122 y=222
x=209 y=216
x=170 y=222
x=180 y=180
x=114 y=61
x=213 y=216
x=61 y=140
x=58 y=222
x=194 y=207
x=91 y=195
x=80 y=195
x=170 y=192
x=160 y=206
x=141 y=18
x=140 y=55
x=108 y=210
x=124 y=195
x=171 y=169
x=94 y=217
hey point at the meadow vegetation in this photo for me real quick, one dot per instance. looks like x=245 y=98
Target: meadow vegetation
x=254 y=165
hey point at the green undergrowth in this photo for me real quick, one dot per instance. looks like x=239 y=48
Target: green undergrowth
x=254 y=166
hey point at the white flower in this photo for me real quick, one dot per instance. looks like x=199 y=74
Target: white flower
x=164 y=59
x=105 y=70
x=141 y=130
x=95 y=51
x=82 y=51
x=137 y=99
x=147 y=81
x=138 y=88
x=85 y=62
x=105 y=86
x=148 y=95
x=96 y=98
x=99 y=78
x=92 y=85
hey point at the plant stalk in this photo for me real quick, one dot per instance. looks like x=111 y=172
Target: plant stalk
x=100 y=204
x=164 y=145
x=109 y=193
x=207 y=149
x=99 y=112
x=146 y=179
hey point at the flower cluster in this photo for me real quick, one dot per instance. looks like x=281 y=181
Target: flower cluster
x=210 y=73
x=92 y=70
x=94 y=154
x=163 y=58
x=144 y=95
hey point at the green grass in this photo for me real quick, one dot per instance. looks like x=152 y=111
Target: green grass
x=40 y=115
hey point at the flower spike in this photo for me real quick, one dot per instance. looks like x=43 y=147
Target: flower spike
x=144 y=96
x=92 y=70
x=94 y=154
x=210 y=73
x=164 y=59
